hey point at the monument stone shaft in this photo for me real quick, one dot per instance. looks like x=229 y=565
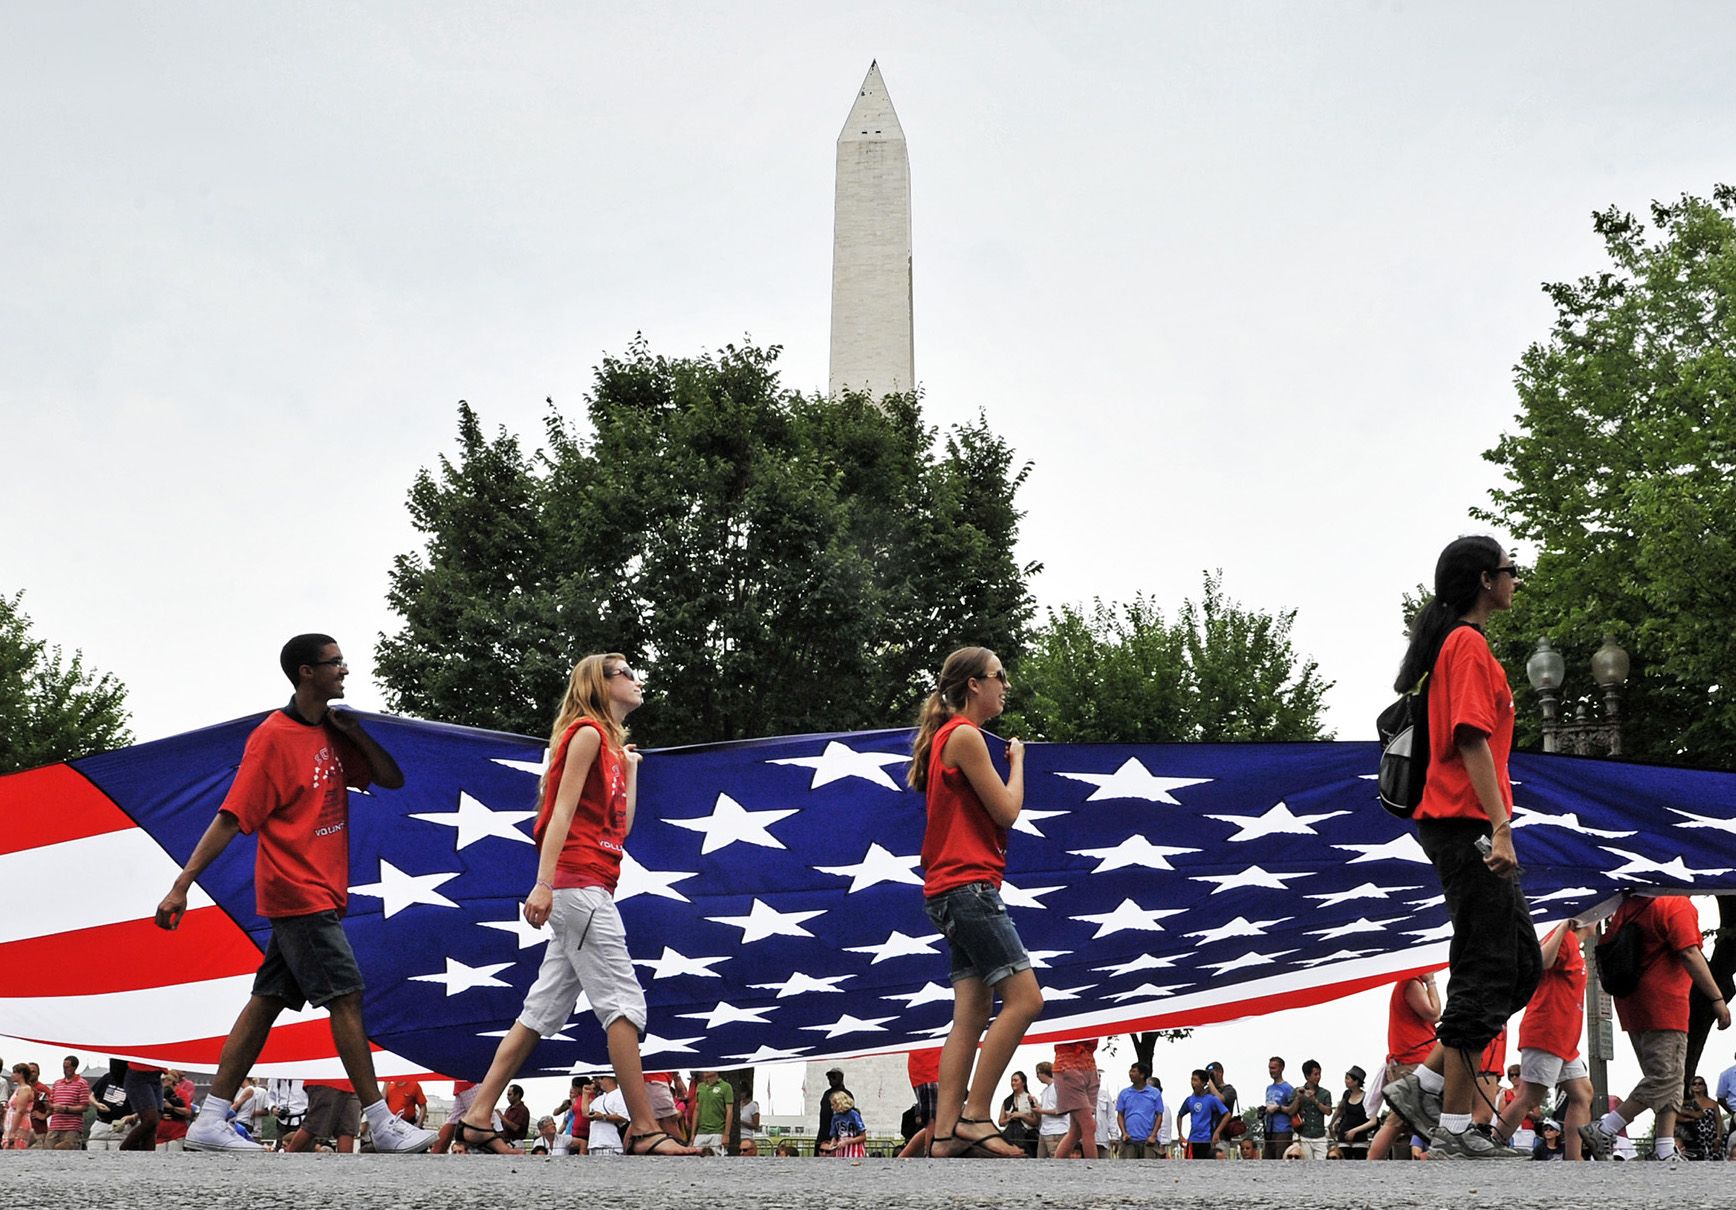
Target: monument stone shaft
x=873 y=347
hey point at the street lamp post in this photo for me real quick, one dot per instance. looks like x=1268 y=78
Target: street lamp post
x=1583 y=737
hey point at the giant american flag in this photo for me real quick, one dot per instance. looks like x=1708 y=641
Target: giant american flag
x=772 y=892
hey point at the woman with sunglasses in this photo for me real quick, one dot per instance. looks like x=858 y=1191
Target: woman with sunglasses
x=589 y=794
x=964 y=851
x=1464 y=825
x=1700 y=1125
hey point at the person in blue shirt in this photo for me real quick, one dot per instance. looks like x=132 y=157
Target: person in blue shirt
x=1280 y=1130
x=1206 y=1116
x=1727 y=1088
x=1139 y=1110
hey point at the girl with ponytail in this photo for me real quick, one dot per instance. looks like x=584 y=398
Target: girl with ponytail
x=964 y=851
x=1464 y=825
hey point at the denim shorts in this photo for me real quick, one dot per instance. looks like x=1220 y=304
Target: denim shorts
x=309 y=961
x=979 y=933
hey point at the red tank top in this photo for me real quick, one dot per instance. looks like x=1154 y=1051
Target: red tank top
x=1409 y=1038
x=591 y=855
x=962 y=844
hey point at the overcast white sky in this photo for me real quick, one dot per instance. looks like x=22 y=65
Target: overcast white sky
x=1246 y=281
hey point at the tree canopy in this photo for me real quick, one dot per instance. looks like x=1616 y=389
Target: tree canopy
x=1622 y=474
x=52 y=708
x=1220 y=672
x=777 y=562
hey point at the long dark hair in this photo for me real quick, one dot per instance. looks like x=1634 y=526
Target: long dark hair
x=950 y=694
x=1458 y=582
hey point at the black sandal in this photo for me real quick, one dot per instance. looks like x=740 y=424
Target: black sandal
x=481 y=1140
x=635 y=1145
x=976 y=1148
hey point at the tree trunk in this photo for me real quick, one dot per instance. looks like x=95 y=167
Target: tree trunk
x=742 y=1081
x=1144 y=1046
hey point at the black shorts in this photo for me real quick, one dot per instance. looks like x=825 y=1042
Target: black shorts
x=309 y=961
x=144 y=1089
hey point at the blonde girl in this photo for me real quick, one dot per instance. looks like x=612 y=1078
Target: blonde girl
x=589 y=794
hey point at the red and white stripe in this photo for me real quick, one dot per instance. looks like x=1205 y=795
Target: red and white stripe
x=79 y=888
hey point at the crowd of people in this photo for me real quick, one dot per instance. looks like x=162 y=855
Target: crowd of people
x=1440 y=1081
x=1211 y=1120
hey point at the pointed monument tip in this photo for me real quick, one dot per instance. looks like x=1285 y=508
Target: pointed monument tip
x=871 y=116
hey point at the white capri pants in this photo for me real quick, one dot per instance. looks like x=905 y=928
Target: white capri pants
x=588 y=953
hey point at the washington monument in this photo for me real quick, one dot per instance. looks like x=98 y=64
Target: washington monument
x=872 y=345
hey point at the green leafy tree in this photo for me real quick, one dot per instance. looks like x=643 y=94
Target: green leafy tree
x=1123 y=674
x=481 y=641
x=1220 y=672
x=1622 y=475
x=52 y=708
x=776 y=561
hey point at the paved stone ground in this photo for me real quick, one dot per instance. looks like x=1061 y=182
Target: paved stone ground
x=110 y=1180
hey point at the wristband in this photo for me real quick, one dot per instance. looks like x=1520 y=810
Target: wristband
x=545 y=883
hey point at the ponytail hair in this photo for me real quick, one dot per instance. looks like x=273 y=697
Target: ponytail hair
x=587 y=696
x=949 y=697
x=1458 y=583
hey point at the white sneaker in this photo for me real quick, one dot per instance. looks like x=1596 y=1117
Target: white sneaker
x=398 y=1137
x=214 y=1134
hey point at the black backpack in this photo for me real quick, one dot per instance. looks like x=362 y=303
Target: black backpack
x=1403 y=728
x=1621 y=958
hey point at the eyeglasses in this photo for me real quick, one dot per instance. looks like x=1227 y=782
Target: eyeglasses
x=999 y=674
x=610 y=673
x=340 y=662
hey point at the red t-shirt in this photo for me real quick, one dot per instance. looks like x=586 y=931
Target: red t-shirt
x=1495 y=1055
x=962 y=844
x=1409 y=1038
x=290 y=789
x=171 y=1128
x=591 y=855
x=1076 y=1056
x=1669 y=924
x=1555 y=1018
x=924 y=1067
x=1468 y=689
x=404 y=1097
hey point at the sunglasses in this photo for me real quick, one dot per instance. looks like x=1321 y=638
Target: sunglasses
x=999 y=674
x=610 y=673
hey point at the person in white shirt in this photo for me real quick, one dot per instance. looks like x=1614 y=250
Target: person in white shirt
x=551 y=1139
x=1052 y=1123
x=1108 y=1132
x=608 y=1115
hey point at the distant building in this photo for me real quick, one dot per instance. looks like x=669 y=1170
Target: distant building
x=880 y=1085
x=873 y=343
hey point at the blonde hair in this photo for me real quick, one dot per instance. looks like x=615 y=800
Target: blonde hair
x=841 y=1102
x=950 y=694
x=587 y=696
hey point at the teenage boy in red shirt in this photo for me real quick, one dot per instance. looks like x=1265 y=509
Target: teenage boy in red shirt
x=291 y=792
